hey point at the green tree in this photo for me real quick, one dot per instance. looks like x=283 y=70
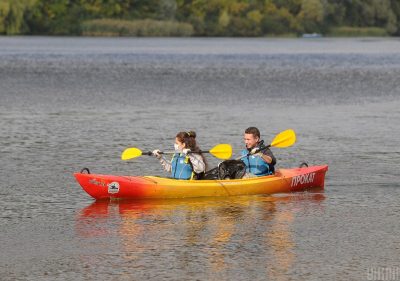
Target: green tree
x=395 y=4
x=383 y=15
x=4 y=10
x=54 y=17
x=334 y=13
x=208 y=17
x=311 y=15
x=293 y=6
x=13 y=16
x=167 y=9
x=278 y=20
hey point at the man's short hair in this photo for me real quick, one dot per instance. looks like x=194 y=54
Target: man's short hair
x=254 y=131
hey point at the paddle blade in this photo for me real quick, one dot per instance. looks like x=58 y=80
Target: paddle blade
x=222 y=151
x=130 y=153
x=284 y=139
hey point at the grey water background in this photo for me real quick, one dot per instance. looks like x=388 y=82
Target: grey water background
x=69 y=103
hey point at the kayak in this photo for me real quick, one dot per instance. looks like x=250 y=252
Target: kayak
x=151 y=187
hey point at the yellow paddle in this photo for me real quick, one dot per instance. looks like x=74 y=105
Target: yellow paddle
x=130 y=153
x=221 y=151
x=284 y=139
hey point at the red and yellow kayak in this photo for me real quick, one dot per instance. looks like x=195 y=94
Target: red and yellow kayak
x=149 y=187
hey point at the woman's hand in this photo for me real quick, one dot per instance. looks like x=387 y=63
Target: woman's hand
x=156 y=153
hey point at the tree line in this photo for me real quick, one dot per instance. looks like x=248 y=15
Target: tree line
x=199 y=17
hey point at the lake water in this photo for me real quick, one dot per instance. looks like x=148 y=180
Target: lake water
x=69 y=103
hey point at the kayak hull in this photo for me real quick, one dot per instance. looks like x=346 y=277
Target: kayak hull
x=149 y=187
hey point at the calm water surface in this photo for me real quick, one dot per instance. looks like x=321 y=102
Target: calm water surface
x=69 y=103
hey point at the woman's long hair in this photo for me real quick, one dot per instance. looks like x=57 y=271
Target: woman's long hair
x=189 y=139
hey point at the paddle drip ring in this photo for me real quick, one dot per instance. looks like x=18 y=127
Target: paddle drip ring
x=303 y=164
x=85 y=169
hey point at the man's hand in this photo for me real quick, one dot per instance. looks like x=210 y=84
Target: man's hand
x=254 y=151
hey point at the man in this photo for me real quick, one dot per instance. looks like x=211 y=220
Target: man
x=258 y=162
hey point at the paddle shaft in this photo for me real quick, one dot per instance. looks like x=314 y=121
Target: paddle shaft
x=259 y=150
x=149 y=153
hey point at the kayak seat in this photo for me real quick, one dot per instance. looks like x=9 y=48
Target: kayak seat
x=85 y=169
x=303 y=164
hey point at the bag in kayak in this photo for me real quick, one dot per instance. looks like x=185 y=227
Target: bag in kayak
x=231 y=169
x=228 y=169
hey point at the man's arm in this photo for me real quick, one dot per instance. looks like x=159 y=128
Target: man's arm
x=268 y=157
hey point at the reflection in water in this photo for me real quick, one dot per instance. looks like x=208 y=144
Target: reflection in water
x=279 y=240
x=204 y=238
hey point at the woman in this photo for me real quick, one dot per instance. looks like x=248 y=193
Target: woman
x=186 y=163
